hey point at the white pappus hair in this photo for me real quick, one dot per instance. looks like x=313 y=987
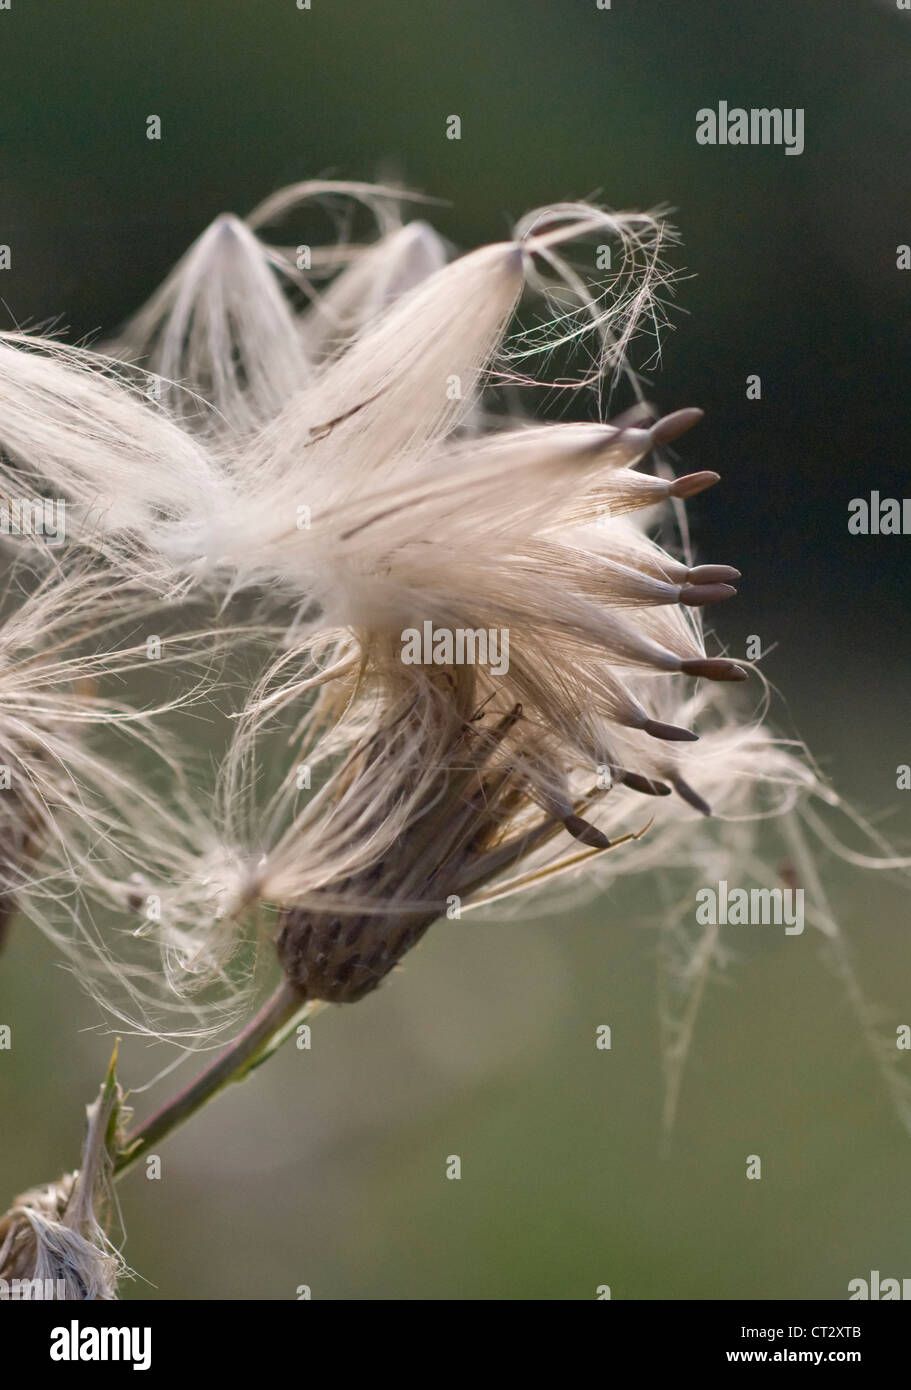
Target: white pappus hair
x=322 y=458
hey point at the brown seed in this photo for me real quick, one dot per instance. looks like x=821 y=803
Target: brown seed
x=713 y=669
x=668 y=731
x=695 y=800
x=675 y=424
x=692 y=483
x=586 y=833
x=714 y=574
x=695 y=595
x=637 y=783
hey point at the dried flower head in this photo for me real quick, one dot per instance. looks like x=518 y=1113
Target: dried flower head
x=53 y=1241
x=334 y=452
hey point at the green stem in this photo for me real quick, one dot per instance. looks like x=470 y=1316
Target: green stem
x=274 y=1022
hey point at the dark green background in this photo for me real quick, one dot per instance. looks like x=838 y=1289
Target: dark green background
x=328 y=1169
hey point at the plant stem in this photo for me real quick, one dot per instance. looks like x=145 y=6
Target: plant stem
x=275 y=1020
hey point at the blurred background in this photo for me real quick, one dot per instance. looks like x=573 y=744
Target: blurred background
x=328 y=1168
